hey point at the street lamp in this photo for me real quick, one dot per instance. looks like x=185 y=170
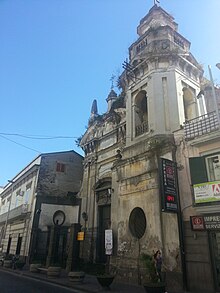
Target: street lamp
x=218 y=65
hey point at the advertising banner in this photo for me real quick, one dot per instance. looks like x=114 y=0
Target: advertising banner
x=207 y=192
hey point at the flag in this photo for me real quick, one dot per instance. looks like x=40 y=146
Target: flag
x=156 y=1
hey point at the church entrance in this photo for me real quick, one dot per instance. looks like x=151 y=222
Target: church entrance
x=104 y=223
x=103 y=199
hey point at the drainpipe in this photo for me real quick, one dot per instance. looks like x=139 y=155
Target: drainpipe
x=160 y=207
x=85 y=214
x=181 y=229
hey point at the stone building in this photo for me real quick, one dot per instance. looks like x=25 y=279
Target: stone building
x=124 y=148
x=198 y=158
x=39 y=206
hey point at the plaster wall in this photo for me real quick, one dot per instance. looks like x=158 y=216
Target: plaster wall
x=185 y=150
x=19 y=194
x=48 y=210
x=36 y=161
x=55 y=183
x=138 y=187
x=14 y=231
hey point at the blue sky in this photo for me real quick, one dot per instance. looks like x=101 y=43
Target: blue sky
x=56 y=56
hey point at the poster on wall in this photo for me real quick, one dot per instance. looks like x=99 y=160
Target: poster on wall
x=108 y=242
x=207 y=192
x=168 y=186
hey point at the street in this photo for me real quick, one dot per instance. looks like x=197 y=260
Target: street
x=12 y=283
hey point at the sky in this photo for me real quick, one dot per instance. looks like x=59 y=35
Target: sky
x=57 y=56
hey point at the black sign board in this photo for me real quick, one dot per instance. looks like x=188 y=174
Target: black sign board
x=168 y=184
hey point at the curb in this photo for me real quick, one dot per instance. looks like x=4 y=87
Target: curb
x=65 y=283
x=48 y=280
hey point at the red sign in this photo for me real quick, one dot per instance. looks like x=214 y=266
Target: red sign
x=197 y=223
x=170 y=198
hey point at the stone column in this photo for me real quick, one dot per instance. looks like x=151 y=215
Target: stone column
x=73 y=252
x=51 y=245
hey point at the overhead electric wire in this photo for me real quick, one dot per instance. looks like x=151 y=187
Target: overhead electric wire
x=37 y=136
x=20 y=144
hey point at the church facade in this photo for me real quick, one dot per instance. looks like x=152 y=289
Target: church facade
x=129 y=148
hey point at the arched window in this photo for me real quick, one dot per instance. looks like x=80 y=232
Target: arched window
x=141 y=113
x=189 y=102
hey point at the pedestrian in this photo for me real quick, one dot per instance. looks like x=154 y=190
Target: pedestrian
x=14 y=261
x=158 y=264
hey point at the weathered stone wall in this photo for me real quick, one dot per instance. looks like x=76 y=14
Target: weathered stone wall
x=55 y=183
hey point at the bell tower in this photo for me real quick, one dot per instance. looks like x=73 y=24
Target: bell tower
x=161 y=78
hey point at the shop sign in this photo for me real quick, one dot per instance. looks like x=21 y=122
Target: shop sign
x=80 y=236
x=207 y=192
x=212 y=222
x=168 y=184
x=207 y=222
x=197 y=223
x=108 y=242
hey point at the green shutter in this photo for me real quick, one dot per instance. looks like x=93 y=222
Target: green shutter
x=198 y=170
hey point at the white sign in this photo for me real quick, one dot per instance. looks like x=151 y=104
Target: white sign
x=108 y=242
x=207 y=192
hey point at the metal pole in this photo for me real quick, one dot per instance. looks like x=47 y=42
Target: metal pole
x=214 y=95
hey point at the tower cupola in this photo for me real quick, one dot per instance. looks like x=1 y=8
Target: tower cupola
x=112 y=97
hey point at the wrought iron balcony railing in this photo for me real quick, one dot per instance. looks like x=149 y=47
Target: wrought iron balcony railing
x=201 y=125
x=141 y=128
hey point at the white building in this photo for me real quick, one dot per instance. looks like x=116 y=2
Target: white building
x=40 y=198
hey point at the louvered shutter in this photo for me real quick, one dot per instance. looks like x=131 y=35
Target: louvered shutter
x=198 y=170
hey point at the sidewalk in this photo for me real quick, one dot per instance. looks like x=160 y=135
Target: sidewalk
x=90 y=283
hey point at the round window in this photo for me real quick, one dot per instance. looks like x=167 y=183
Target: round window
x=137 y=223
x=59 y=218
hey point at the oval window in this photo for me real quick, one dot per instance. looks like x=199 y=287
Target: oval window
x=137 y=222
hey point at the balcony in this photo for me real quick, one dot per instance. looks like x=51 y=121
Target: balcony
x=201 y=125
x=17 y=212
x=141 y=128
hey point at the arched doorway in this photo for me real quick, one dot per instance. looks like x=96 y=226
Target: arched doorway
x=103 y=198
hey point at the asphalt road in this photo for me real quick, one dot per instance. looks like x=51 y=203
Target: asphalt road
x=12 y=283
